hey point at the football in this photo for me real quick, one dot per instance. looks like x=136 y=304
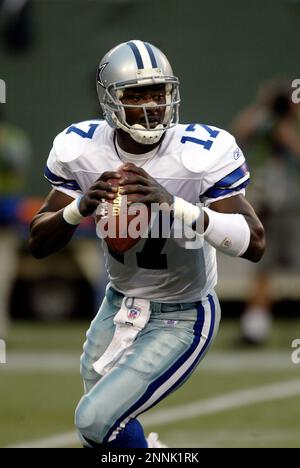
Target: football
x=120 y=223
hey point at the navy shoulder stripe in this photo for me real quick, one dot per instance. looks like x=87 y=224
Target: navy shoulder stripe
x=216 y=192
x=58 y=181
x=234 y=176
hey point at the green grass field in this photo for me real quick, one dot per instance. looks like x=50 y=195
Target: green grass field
x=238 y=397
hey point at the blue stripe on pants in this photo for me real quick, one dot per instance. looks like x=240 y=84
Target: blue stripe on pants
x=154 y=386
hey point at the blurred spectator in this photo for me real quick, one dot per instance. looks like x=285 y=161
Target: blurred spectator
x=16 y=24
x=15 y=152
x=269 y=132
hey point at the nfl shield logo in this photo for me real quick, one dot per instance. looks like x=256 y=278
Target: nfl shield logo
x=133 y=312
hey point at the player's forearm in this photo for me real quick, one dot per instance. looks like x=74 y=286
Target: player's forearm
x=257 y=243
x=49 y=233
x=238 y=234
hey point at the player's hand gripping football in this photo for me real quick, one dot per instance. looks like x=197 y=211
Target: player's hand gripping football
x=142 y=187
x=100 y=190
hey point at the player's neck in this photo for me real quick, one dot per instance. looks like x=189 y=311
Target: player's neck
x=130 y=146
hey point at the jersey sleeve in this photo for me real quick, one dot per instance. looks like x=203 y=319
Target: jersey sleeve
x=59 y=174
x=227 y=174
x=213 y=157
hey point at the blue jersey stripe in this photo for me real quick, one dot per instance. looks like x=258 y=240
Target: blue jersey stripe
x=198 y=327
x=138 y=57
x=151 y=53
x=233 y=177
x=215 y=192
x=60 y=181
x=186 y=375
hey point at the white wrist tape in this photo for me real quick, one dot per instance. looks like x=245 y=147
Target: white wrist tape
x=185 y=211
x=71 y=213
x=227 y=232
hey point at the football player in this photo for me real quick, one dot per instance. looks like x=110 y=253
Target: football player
x=160 y=314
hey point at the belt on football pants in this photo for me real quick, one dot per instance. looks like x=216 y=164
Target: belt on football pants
x=155 y=306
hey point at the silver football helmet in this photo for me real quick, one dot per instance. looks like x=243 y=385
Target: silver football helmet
x=131 y=64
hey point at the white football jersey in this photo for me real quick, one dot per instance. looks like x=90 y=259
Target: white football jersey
x=195 y=162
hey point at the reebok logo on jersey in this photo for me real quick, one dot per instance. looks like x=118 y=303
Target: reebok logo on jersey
x=237 y=153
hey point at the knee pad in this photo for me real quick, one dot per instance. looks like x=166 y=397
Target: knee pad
x=90 y=421
x=85 y=414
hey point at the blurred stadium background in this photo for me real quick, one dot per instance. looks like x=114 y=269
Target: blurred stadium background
x=240 y=396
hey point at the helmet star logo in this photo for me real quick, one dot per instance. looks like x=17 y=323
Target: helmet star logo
x=99 y=74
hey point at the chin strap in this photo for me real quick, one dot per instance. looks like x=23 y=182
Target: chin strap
x=146 y=137
x=139 y=133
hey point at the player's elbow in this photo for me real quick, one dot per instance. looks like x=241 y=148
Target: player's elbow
x=257 y=244
x=37 y=254
x=36 y=242
x=34 y=248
